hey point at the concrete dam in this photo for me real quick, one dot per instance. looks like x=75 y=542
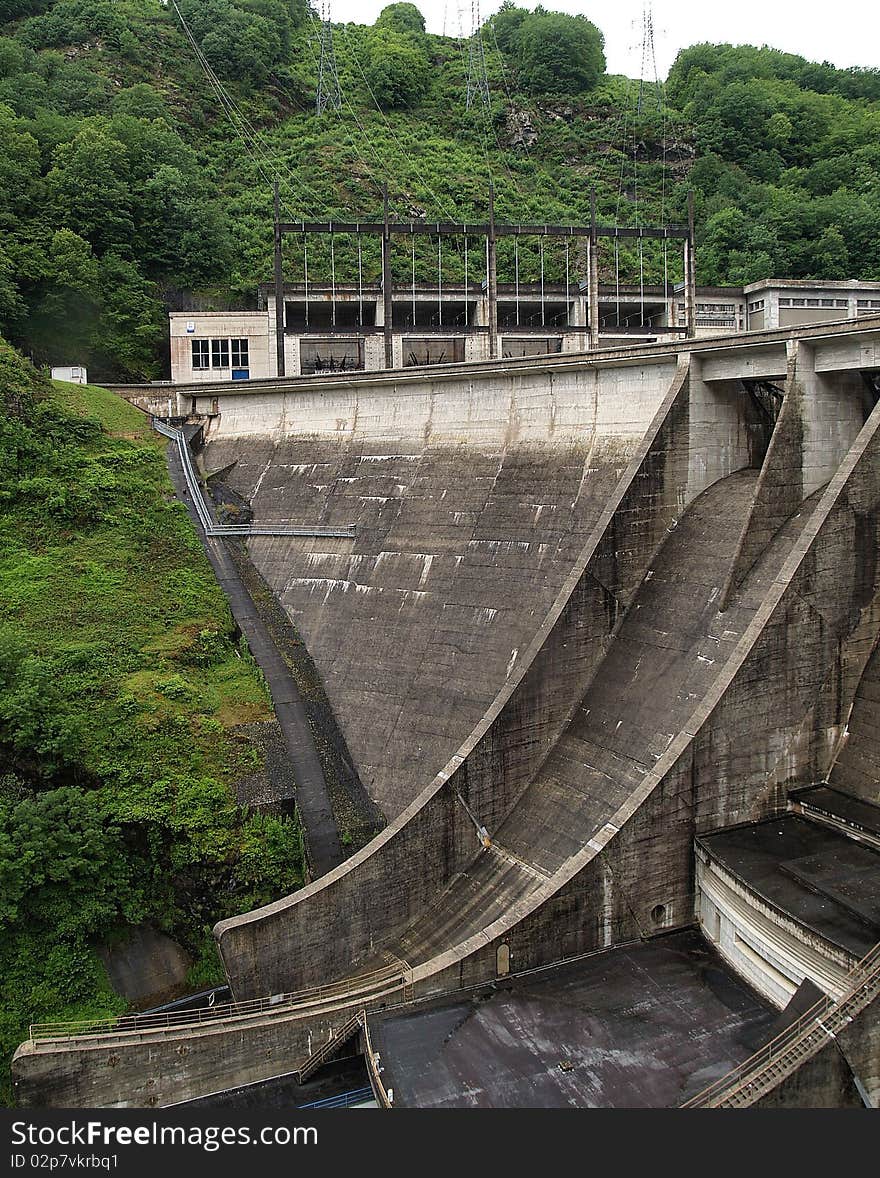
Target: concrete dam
x=594 y=608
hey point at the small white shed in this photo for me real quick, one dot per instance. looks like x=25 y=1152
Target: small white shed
x=75 y=374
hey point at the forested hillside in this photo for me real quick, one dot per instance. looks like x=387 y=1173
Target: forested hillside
x=125 y=189
x=122 y=696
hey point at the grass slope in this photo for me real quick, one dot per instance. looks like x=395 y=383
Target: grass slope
x=121 y=687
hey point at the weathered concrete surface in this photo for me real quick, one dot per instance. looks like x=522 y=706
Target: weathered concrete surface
x=788 y=900
x=434 y=838
x=736 y=756
x=802 y=608
x=491 y=776
x=152 y=1070
x=147 y=968
x=641 y=1026
x=821 y=880
x=856 y=817
x=827 y=1080
x=801 y=628
x=471 y=501
x=321 y=836
x=857 y=767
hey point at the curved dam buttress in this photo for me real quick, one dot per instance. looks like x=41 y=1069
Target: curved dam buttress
x=553 y=772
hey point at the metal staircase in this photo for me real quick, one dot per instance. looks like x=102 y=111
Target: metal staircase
x=745 y=1085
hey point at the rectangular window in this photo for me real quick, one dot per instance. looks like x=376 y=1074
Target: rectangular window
x=513 y=347
x=785 y=302
x=342 y=354
x=432 y=350
x=200 y=354
x=219 y=353
x=240 y=353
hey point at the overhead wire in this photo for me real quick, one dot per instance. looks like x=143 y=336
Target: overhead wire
x=254 y=142
x=383 y=167
x=352 y=56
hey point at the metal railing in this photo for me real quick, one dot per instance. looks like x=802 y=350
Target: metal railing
x=387 y=980
x=345 y=1032
x=383 y=1098
x=782 y=1056
x=343 y=1100
x=209 y=524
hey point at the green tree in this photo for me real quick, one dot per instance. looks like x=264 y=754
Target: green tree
x=89 y=188
x=506 y=24
x=143 y=101
x=12 y=305
x=14 y=9
x=401 y=18
x=559 y=54
x=830 y=257
x=241 y=41
x=131 y=324
x=397 y=68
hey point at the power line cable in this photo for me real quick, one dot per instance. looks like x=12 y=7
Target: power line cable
x=346 y=129
x=253 y=141
x=437 y=202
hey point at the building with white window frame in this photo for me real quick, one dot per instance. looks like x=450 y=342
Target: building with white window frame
x=220 y=345
x=339 y=328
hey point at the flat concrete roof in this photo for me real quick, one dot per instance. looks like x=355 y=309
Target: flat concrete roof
x=861 y=813
x=641 y=1026
x=855 y=284
x=824 y=880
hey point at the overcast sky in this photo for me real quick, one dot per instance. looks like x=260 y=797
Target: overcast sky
x=844 y=32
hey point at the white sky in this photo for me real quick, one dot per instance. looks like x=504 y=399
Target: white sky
x=844 y=32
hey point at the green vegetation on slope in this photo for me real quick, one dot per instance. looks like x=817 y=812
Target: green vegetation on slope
x=124 y=189
x=120 y=691
x=788 y=174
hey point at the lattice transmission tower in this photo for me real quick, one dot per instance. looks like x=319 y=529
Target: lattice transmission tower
x=649 y=60
x=329 y=95
x=477 y=80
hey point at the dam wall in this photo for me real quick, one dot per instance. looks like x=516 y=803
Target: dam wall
x=670 y=675
x=472 y=495
x=748 y=743
x=435 y=837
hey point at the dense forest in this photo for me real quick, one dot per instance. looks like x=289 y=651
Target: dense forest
x=131 y=180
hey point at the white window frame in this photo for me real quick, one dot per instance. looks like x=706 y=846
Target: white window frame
x=220 y=353
x=239 y=347
x=201 y=352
